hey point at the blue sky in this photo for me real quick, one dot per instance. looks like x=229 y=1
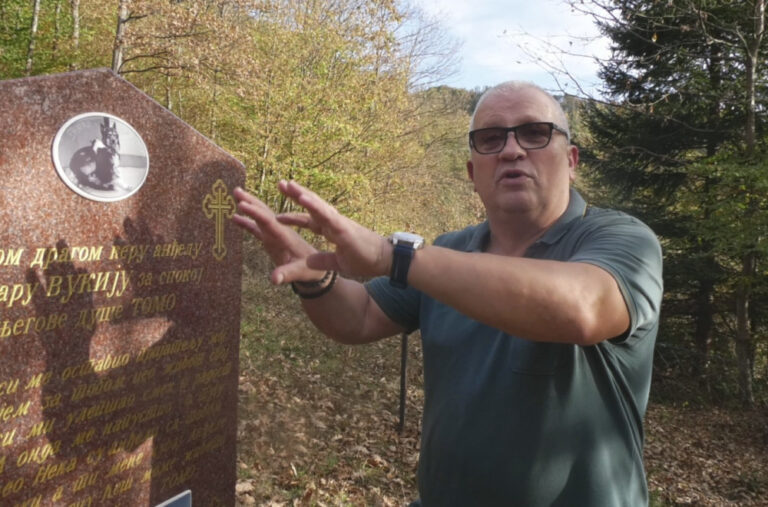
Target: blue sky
x=512 y=39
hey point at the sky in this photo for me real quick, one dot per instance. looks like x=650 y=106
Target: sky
x=525 y=40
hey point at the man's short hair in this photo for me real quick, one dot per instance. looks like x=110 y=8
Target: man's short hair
x=513 y=86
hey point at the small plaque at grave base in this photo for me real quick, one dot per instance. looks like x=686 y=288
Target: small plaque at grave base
x=119 y=299
x=181 y=500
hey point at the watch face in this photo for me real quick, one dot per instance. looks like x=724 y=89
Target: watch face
x=408 y=237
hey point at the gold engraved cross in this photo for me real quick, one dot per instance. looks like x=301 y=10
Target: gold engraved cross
x=219 y=205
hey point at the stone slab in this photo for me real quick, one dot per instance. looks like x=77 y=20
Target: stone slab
x=119 y=299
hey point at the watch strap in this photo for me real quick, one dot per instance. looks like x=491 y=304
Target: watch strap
x=401 y=262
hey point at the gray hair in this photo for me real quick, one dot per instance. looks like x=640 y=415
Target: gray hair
x=514 y=86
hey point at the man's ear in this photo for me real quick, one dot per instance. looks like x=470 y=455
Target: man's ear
x=470 y=170
x=573 y=161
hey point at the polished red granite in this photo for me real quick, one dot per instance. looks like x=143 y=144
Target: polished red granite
x=119 y=302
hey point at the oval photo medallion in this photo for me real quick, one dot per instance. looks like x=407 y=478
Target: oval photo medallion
x=101 y=157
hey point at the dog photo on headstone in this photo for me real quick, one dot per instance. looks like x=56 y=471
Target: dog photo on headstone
x=100 y=156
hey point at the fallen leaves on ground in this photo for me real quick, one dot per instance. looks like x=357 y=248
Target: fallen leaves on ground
x=318 y=427
x=707 y=456
x=318 y=423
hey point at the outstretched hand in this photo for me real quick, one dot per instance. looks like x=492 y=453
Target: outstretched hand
x=359 y=251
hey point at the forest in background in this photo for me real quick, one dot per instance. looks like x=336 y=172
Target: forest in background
x=334 y=94
x=342 y=96
x=683 y=144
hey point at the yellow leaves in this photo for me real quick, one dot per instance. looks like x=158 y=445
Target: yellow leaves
x=315 y=90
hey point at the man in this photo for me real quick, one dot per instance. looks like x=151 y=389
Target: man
x=537 y=325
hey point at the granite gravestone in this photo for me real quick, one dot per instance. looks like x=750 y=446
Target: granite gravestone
x=119 y=299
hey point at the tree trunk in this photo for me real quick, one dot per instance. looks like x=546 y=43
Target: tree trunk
x=744 y=344
x=749 y=130
x=214 y=105
x=715 y=69
x=75 y=4
x=57 y=27
x=168 y=93
x=117 y=51
x=753 y=53
x=703 y=329
x=32 y=36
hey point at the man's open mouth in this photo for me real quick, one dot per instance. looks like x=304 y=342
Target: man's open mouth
x=512 y=175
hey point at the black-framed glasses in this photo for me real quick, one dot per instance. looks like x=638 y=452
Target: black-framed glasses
x=530 y=136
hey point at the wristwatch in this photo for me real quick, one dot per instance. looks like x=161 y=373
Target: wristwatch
x=405 y=244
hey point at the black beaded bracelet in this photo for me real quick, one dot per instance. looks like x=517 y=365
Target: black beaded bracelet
x=318 y=283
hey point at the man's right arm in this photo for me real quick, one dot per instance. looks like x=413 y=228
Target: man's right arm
x=349 y=315
x=346 y=313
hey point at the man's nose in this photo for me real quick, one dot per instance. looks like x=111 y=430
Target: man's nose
x=512 y=148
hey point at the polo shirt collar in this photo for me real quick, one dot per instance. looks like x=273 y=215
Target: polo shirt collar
x=577 y=208
x=480 y=237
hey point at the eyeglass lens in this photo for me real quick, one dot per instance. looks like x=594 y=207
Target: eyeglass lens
x=528 y=136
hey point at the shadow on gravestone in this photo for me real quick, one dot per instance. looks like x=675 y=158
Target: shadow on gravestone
x=154 y=399
x=138 y=394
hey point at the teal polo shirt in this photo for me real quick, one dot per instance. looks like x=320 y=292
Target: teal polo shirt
x=508 y=421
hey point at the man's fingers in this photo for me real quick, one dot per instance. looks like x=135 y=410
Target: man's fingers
x=296 y=271
x=308 y=269
x=255 y=209
x=323 y=261
x=250 y=200
x=248 y=224
x=297 y=219
x=325 y=215
x=264 y=219
x=303 y=220
x=244 y=195
x=258 y=219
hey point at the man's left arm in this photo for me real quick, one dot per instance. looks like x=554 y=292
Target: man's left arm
x=604 y=291
x=540 y=300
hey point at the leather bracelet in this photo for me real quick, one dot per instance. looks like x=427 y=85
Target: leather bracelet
x=332 y=275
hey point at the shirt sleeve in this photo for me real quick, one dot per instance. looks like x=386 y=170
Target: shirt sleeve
x=400 y=305
x=631 y=253
x=403 y=306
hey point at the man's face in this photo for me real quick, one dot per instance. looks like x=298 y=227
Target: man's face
x=519 y=181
